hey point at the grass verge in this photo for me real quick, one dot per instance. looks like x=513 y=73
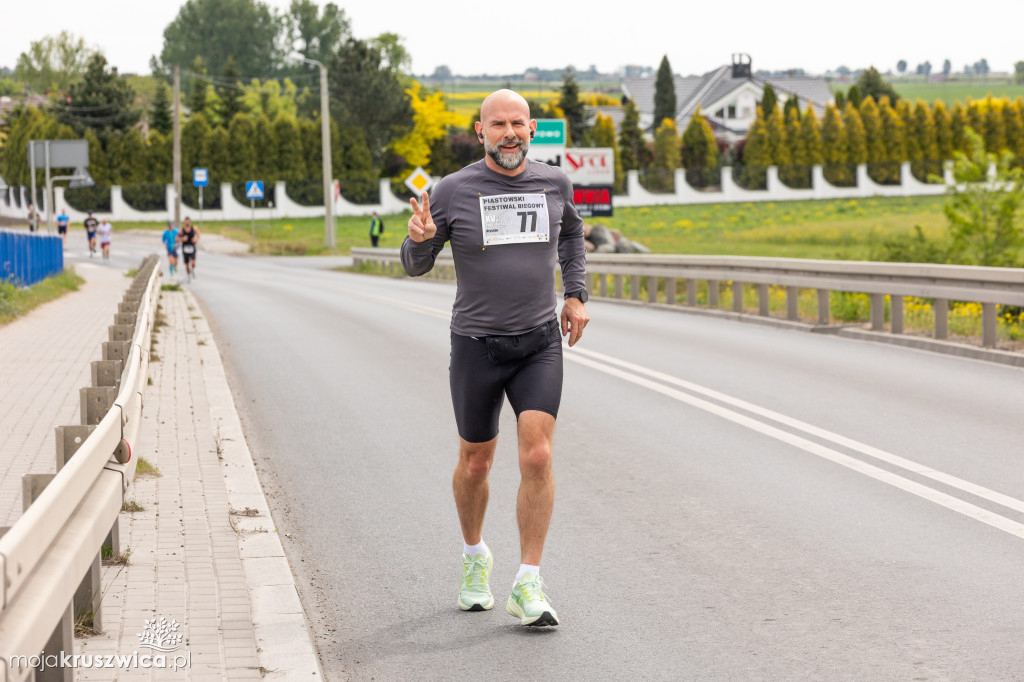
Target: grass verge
x=17 y=301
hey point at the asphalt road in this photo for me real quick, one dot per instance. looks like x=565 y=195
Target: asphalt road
x=734 y=501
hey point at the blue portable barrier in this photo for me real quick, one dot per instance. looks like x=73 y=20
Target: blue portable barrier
x=26 y=258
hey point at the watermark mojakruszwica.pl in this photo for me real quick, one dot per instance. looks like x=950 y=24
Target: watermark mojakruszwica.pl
x=134 y=660
x=159 y=636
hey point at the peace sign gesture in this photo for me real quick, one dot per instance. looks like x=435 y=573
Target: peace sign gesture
x=421 y=224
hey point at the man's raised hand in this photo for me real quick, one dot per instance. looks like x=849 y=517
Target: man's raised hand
x=421 y=225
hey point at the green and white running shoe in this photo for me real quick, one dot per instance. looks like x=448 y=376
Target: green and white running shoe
x=529 y=604
x=475 y=593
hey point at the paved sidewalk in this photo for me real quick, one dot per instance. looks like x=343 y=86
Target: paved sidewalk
x=204 y=551
x=44 y=361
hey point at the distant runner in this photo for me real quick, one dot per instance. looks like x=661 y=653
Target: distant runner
x=105 y=231
x=62 y=225
x=188 y=236
x=33 y=218
x=170 y=239
x=91 y=225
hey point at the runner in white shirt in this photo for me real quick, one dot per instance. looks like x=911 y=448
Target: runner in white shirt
x=104 y=231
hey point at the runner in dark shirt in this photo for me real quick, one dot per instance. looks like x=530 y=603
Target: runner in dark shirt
x=508 y=221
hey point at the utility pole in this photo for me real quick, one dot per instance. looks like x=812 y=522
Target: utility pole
x=325 y=147
x=177 y=146
x=325 y=142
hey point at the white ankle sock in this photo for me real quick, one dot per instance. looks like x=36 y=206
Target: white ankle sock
x=473 y=550
x=527 y=568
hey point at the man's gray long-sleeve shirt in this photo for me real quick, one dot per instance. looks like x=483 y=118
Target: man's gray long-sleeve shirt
x=506 y=286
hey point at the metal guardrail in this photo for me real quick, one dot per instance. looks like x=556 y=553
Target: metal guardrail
x=674 y=275
x=50 y=558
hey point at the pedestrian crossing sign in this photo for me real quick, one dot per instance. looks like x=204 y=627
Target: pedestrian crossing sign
x=419 y=181
x=253 y=189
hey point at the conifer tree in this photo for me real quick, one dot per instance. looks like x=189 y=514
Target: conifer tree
x=756 y=154
x=290 y=164
x=133 y=158
x=958 y=123
x=911 y=144
x=927 y=140
x=632 y=147
x=573 y=109
x=943 y=132
x=197 y=90
x=193 y=144
x=160 y=110
x=975 y=118
x=792 y=105
x=995 y=130
x=266 y=148
x=810 y=138
x=794 y=174
x=778 y=143
x=666 y=157
x=242 y=148
x=873 y=141
x=835 y=148
x=218 y=159
x=229 y=90
x=769 y=101
x=603 y=135
x=854 y=97
x=700 y=152
x=1013 y=123
x=159 y=158
x=664 y=92
x=893 y=140
x=856 y=139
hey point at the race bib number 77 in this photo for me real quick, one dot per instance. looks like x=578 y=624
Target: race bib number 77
x=515 y=219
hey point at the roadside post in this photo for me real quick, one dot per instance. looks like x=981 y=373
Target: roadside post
x=253 y=191
x=200 y=179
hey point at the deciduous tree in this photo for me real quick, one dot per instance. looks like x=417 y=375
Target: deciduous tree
x=54 y=62
x=982 y=213
x=247 y=30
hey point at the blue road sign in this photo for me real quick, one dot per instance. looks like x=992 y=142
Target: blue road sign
x=200 y=177
x=254 y=189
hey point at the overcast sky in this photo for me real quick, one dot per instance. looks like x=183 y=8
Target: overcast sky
x=507 y=38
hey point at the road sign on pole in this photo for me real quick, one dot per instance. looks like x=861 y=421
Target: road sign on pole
x=550 y=131
x=254 y=189
x=418 y=181
x=200 y=177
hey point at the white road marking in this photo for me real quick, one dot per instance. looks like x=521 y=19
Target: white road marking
x=810 y=429
x=636 y=374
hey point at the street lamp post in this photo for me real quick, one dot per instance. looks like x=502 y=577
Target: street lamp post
x=325 y=142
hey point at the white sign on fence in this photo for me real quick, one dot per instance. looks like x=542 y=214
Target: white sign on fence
x=588 y=166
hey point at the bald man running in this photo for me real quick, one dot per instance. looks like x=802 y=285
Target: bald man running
x=508 y=219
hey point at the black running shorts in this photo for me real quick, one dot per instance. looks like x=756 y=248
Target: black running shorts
x=479 y=384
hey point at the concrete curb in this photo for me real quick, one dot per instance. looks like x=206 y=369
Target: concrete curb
x=283 y=638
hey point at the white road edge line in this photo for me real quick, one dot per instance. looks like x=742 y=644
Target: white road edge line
x=895 y=480
x=881 y=455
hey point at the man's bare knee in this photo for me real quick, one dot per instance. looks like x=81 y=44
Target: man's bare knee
x=475 y=459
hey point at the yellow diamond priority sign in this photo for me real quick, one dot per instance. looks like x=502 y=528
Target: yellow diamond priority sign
x=419 y=181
